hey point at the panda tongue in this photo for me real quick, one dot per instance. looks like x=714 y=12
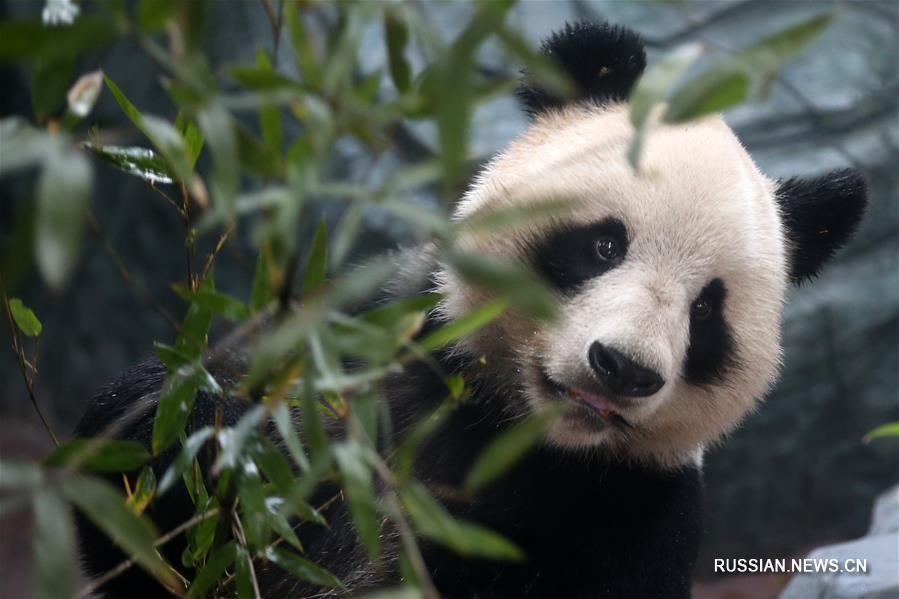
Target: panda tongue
x=600 y=403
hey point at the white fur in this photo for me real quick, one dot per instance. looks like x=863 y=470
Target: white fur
x=699 y=209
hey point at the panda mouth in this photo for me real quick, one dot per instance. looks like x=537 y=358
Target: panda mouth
x=597 y=403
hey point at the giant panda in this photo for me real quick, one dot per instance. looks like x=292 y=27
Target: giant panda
x=671 y=284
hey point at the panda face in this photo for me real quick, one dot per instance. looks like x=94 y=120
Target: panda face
x=670 y=283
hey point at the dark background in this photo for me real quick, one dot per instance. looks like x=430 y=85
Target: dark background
x=796 y=475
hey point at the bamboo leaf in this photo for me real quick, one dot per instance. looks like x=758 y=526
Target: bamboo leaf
x=108 y=511
x=25 y=318
x=55 y=556
x=302 y=568
x=317 y=263
x=99 y=455
x=464 y=326
x=357 y=483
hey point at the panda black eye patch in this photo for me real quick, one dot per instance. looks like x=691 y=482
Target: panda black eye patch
x=711 y=342
x=571 y=255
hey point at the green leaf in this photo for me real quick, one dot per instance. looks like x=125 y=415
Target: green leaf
x=140 y=162
x=232 y=440
x=523 y=289
x=507 y=448
x=317 y=263
x=432 y=521
x=25 y=318
x=19 y=477
x=29 y=39
x=153 y=15
x=261 y=293
x=464 y=326
x=302 y=45
x=220 y=560
x=215 y=301
x=302 y=568
x=144 y=490
x=55 y=556
x=243 y=572
x=654 y=87
x=285 y=425
x=108 y=511
x=218 y=129
x=99 y=455
x=727 y=82
x=269 y=116
x=193 y=137
x=422 y=430
x=890 y=429
x=63 y=193
x=49 y=84
x=188 y=452
x=357 y=483
x=396 y=33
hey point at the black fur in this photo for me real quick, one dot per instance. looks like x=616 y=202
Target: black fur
x=603 y=61
x=567 y=257
x=711 y=342
x=820 y=214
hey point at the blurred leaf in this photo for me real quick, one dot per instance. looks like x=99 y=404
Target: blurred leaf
x=83 y=95
x=108 y=511
x=462 y=327
x=507 y=448
x=215 y=301
x=654 y=87
x=220 y=560
x=27 y=39
x=257 y=158
x=140 y=162
x=55 y=555
x=218 y=129
x=404 y=592
x=493 y=220
x=243 y=573
x=357 y=483
x=25 y=318
x=884 y=430
x=18 y=476
x=302 y=45
x=317 y=263
x=185 y=458
x=193 y=137
x=285 y=425
x=144 y=490
x=63 y=193
x=153 y=15
x=49 y=84
x=269 y=116
x=302 y=568
x=99 y=455
x=523 y=289
x=727 y=82
x=396 y=32
x=261 y=293
x=419 y=433
x=432 y=521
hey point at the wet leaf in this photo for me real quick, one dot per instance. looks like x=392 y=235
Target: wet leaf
x=108 y=511
x=140 y=162
x=185 y=458
x=302 y=568
x=99 y=455
x=25 y=318
x=55 y=556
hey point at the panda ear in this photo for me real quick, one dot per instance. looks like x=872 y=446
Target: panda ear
x=820 y=214
x=604 y=61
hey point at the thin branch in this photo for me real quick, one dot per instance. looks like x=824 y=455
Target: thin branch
x=24 y=366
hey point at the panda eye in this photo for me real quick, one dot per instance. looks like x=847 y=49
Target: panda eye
x=701 y=309
x=607 y=248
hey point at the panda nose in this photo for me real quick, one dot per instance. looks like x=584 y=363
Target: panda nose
x=621 y=375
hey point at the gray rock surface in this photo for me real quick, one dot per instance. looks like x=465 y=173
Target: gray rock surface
x=880 y=550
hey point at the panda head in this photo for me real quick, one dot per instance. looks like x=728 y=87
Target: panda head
x=671 y=282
